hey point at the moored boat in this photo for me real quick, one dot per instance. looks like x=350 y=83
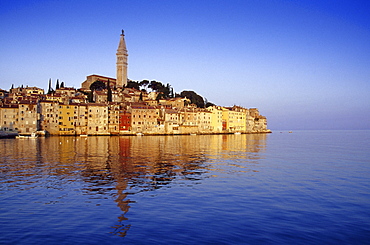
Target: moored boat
x=32 y=136
x=8 y=133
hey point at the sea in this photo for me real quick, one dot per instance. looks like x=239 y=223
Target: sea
x=300 y=187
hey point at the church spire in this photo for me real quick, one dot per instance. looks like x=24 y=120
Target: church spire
x=121 y=62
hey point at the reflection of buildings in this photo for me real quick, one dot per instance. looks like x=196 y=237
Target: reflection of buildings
x=126 y=165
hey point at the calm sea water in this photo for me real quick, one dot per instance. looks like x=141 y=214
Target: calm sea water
x=305 y=187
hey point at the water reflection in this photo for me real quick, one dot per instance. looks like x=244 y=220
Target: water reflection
x=123 y=166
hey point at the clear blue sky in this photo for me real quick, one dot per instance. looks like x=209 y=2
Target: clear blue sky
x=304 y=64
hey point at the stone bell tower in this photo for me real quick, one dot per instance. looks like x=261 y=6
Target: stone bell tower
x=121 y=64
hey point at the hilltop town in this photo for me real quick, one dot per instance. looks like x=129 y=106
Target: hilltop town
x=119 y=106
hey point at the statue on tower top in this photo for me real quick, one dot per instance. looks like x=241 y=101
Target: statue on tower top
x=123 y=32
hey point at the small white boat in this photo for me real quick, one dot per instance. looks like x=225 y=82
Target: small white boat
x=139 y=134
x=32 y=136
x=83 y=135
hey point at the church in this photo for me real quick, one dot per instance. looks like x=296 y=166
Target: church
x=121 y=69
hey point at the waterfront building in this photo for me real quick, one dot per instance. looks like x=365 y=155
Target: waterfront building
x=170 y=121
x=9 y=116
x=97 y=122
x=113 y=118
x=260 y=124
x=66 y=119
x=203 y=121
x=124 y=120
x=80 y=116
x=249 y=121
x=237 y=119
x=144 y=118
x=49 y=116
x=216 y=118
x=28 y=117
x=188 y=120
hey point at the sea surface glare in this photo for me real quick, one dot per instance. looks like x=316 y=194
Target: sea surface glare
x=305 y=187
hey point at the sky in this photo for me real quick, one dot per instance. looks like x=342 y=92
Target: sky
x=303 y=64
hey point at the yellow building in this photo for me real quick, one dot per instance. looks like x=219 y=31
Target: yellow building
x=237 y=119
x=216 y=118
x=66 y=120
x=203 y=121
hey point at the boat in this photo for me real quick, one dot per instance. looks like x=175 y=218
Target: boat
x=237 y=133
x=139 y=134
x=8 y=133
x=83 y=135
x=32 y=136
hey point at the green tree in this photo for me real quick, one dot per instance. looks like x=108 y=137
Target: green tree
x=109 y=92
x=57 y=85
x=208 y=104
x=194 y=98
x=144 y=83
x=97 y=85
x=155 y=86
x=50 y=89
x=160 y=96
x=90 y=96
x=62 y=85
x=133 y=84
